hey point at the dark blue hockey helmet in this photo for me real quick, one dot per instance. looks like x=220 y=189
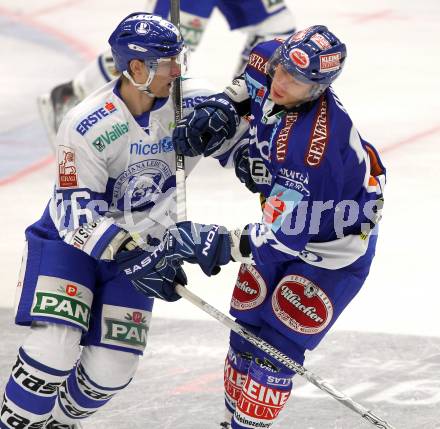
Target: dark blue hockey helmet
x=314 y=55
x=144 y=36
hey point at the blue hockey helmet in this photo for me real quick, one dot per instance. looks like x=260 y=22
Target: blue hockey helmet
x=314 y=55
x=144 y=36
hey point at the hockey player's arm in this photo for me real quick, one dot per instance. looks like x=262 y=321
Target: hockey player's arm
x=80 y=201
x=213 y=123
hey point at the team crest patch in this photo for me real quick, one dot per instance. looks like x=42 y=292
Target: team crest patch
x=142 y=28
x=62 y=299
x=125 y=327
x=67 y=171
x=250 y=289
x=141 y=183
x=301 y=305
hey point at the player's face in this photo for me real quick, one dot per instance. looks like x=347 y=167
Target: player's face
x=286 y=90
x=167 y=72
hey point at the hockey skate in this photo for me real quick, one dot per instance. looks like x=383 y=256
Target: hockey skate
x=53 y=107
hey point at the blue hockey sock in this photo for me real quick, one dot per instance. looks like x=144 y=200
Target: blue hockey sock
x=30 y=393
x=79 y=397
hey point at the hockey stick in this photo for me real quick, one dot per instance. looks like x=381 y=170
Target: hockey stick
x=282 y=358
x=178 y=113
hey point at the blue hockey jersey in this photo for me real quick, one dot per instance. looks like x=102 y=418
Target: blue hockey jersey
x=322 y=183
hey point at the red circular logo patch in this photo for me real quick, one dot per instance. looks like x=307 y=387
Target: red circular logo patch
x=301 y=305
x=300 y=58
x=71 y=290
x=250 y=289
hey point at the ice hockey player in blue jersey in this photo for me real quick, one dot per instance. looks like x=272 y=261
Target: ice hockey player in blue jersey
x=321 y=186
x=115 y=173
x=258 y=19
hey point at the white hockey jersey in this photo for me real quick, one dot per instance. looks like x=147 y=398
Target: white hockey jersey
x=113 y=173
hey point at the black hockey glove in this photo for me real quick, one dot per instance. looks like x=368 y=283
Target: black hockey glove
x=204 y=130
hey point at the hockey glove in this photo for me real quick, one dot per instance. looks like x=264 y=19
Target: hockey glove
x=151 y=273
x=242 y=168
x=206 y=245
x=204 y=130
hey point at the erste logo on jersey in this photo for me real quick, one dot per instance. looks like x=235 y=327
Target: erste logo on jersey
x=92 y=119
x=250 y=289
x=67 y=171
x=259 y=172
x=319 y=137
x=301 y=305
x=191 y=102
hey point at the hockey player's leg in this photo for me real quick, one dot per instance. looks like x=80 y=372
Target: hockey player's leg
x=267 y=385
x=43 y=363
x=194 y=17
x=260 y=20
x=116 y=338
x=235 y=372
x=99 y=375
x=280 y=25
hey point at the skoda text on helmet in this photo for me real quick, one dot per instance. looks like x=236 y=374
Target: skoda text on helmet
x=314 y=56
x=149 y=38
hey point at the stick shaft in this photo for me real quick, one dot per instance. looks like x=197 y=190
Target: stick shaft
x=178 y=113
x=283 y=359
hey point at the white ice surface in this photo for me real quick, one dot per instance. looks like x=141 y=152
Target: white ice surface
x=389 y=87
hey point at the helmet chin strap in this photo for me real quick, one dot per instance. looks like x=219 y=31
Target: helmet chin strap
x=144 y=87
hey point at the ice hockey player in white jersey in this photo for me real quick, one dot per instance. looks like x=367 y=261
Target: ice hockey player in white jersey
x=115 y=172
x=259 y=19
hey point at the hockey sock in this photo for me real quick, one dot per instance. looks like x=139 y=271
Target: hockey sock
x=236 y=368
x=100 y=375
x=263 y=395
x=30 y=393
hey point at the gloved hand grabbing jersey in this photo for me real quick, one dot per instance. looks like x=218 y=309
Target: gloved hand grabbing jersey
x=204 y=130
x=155 y=273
